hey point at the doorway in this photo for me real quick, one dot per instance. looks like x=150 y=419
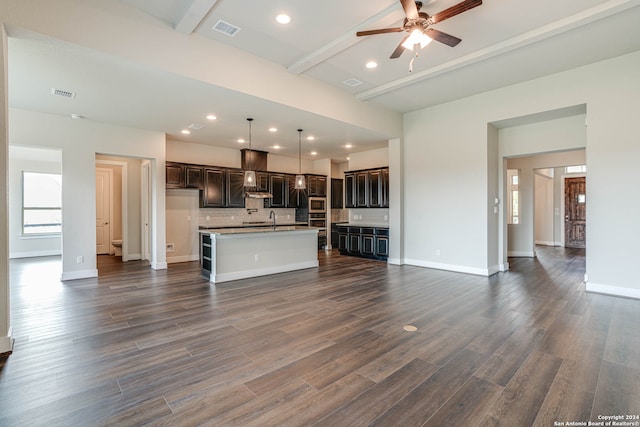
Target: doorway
x=104 y=204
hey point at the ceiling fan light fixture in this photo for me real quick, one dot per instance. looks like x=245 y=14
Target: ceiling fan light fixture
x=416 y=37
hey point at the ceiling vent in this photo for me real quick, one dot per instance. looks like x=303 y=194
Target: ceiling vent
x=352 y=82
x=195 y=126
x=226 y=28
x=65 y=93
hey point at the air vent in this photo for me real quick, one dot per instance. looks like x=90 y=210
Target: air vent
x=195 y=126
x=65 y=93
x=352 y=82
x=226 y=28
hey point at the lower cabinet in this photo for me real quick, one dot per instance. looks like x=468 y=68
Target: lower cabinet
x=366 y=242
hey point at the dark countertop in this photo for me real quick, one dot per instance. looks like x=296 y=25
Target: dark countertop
x=251 y=225
x=374 y=225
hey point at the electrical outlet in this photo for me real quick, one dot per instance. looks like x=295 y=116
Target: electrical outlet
x=79 y=259
x=208 y=217
x=188 y=218
x=437 y=252
x=256 y=257
x=170 y=247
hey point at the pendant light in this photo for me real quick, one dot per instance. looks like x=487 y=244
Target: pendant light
x=300 y=183
x=249 y=175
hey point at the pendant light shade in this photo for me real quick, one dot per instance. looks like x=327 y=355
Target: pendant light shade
x=300 y=181
x=249 y=175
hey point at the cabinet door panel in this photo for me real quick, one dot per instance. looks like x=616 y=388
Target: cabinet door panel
x=382 y=246
x=354 y=244
x=235 y=189
x=362 y=199
x=336 y=193
x=279 y=191
x=293 y=199
x=350 y=190
x=385 y=188
x=214 y=189
x=194 y=177
x=174 y=175
x=368 y=243
x=375 y=178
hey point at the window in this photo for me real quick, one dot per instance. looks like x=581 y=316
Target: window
x=41 y=203
x=576 y=169
x=512 y=187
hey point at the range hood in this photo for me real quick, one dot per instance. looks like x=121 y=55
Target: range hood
x=258 y=195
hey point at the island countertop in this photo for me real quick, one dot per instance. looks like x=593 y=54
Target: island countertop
x=253 y=230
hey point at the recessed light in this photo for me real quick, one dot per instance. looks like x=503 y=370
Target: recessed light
x=185 y=131
x=314 y=153
x=348 y=146
x=311 y=138
x=283 y=18
x=241 y=141
x=348 y=158
x=276 y=147
x=273 y=129
x=371 y=64
x=211 y=117
x=77 y=116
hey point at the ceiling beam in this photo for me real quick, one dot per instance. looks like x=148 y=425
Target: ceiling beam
x=390 y=15
x=194 y=15
x=558 y=27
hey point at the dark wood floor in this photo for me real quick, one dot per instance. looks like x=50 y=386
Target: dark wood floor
x=319 y=347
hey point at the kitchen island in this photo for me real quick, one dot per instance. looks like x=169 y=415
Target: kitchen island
x=238 y=253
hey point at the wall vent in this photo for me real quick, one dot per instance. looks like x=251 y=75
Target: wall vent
x=352 y=82
x=226 y=28
x=65 y=93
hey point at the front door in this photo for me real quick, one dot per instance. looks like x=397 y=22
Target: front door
x=575 y=209
x=103 y=211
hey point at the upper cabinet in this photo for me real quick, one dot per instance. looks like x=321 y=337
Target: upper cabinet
x=336 y=193
x=367 y=188
x=224 y=187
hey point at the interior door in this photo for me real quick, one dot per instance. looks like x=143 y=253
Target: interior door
x=103 y=211
x=575 y=209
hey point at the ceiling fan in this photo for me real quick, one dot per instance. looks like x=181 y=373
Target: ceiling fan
x=418 y=25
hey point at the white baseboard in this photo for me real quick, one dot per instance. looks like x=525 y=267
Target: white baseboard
x=134 y=257
x=159 y=265
x=493 y=270
x=448 y=267
x=32 y=254
x=504 y=267
x=394 y=261
x=545 y=243
x=226 y=277
x=6 y=343
x=75 y=275
x=524 y=254
x=613 y=290
x=182 y=258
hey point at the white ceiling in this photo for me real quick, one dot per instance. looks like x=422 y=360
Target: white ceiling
x=503 y=43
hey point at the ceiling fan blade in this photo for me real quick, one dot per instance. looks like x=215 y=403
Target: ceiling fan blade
x=445 y=38
x=455 y=10
x=396 y=53
x=410 y=9
x=380 y=31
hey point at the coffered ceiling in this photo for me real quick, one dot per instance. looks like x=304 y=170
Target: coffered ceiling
x=503 y=43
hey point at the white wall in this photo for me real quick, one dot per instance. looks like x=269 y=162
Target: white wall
x=6 y=340
x=543 y=221
x=378 y=158
x=79 y=141
x=445 y=169
x=22 y=246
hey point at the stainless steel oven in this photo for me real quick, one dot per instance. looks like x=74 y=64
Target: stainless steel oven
x=317 y=205
x=317 y=219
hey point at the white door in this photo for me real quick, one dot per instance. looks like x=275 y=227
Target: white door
x=103 y=210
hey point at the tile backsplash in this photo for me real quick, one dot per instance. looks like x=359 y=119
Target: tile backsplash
x=253 y=211
x=369 y=216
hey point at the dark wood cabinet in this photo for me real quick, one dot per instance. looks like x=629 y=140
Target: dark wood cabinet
x=279 y=190
x=174 y=175
x=367 y=188
x=194 y=177
x=235 y=189
x=349 y=190
x=316 y=186
x=366 y=242
x=262 y=181
x=375 y=186
x=336 y=193
x=384 y=191
x=214 y=194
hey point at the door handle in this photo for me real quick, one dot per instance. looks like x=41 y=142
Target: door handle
x=106 y=223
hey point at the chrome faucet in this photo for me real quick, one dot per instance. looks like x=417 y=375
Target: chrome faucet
x=272 y=215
